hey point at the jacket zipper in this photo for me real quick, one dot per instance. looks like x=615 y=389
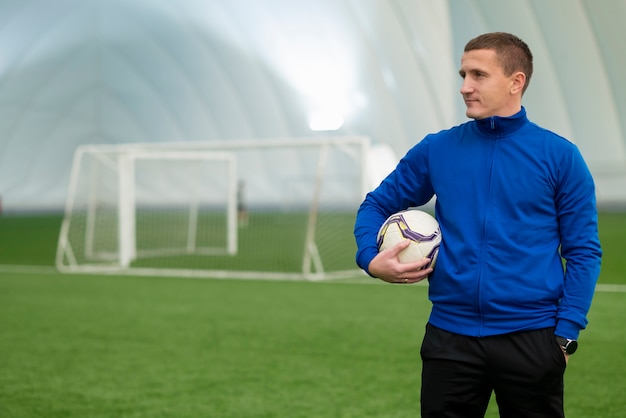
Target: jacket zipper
x=483 y=250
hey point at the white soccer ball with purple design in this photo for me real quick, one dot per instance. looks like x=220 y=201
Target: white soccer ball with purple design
x=417 y=226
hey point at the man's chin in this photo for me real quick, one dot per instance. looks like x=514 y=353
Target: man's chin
x=472 y=114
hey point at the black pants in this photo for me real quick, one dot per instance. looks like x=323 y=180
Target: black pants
x=524 y=370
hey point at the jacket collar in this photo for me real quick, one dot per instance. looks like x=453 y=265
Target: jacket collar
x=498 y=126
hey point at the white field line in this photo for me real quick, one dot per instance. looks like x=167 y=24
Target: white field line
x=25 y=269
x=611 y=288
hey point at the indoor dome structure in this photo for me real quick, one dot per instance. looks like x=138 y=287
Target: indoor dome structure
x=76 y=72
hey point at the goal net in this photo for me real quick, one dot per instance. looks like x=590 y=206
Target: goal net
x=246 y=209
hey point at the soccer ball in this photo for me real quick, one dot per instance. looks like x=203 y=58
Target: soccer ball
x=421 y=228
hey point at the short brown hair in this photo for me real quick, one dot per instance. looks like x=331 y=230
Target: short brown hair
x=513 y=53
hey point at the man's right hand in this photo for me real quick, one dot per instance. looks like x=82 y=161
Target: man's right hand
x=387 y=267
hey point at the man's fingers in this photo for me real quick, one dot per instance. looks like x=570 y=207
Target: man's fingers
x=386 y=266
x=397 y=249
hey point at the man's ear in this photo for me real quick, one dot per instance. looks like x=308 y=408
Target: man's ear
x=518 y=80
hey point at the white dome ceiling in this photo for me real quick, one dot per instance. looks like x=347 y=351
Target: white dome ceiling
x=113 y=71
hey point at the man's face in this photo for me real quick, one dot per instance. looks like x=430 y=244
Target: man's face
x=487 y=91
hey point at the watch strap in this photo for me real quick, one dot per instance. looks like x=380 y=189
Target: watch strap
x=568 y=346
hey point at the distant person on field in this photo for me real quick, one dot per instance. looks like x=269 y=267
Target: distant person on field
x=242 y=208
x=513 y=200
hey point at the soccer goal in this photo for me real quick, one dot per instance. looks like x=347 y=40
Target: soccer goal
x=281 y=208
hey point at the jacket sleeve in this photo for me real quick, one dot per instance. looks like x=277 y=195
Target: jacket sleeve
x=580 y=244
x=407 y=186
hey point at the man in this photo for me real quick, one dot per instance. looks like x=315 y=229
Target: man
x=513 y=201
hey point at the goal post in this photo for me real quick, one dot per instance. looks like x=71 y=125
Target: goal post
x=110 y=189
x=130 y=203
x=280 y=208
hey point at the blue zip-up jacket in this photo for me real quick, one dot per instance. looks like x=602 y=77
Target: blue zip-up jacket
x=513 y=200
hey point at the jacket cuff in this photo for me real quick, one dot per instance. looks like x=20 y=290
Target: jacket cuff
x=567 y=329
x=364 y=259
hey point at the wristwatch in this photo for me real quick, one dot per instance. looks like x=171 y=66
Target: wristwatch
x=569 y=346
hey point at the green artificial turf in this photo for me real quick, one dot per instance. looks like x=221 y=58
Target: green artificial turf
x=94 y=346
x=114 y=346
